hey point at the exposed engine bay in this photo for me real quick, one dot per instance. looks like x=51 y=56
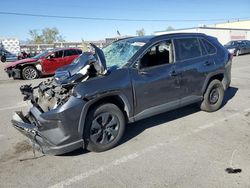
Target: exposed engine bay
x=55 y=92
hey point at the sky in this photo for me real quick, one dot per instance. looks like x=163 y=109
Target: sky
x=78 y=29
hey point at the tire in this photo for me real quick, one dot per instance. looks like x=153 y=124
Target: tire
x=29 y=73
x=237 y=53
x=3 y=59
x=213 y=97
x=105 y=126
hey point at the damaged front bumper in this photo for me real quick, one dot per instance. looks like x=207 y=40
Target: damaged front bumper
x=55 y=132
x=13 y=72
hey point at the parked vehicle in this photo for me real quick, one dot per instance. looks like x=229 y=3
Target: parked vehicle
x=42 y=64
x=89 y=102
x=7 y=56
x=23 y=55
x=238 y=47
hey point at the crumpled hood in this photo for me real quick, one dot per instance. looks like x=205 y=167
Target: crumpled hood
x=79 y=68
x=23 y=61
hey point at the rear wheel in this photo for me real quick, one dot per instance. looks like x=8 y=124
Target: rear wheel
x=213 y=96
x=3 y=58
x=237 y=52
x=105 y=127
x=29 y=73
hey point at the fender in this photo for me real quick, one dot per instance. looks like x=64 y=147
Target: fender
x=99 y=97
x=36 y=64
x=209 y=76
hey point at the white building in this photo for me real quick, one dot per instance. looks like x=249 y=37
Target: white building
x=224 y=32
x=11 y=44
x=224 y=35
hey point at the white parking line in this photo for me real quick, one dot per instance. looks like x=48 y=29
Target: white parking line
x=130 y=157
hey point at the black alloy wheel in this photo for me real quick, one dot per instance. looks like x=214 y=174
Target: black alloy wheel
x=104 y=128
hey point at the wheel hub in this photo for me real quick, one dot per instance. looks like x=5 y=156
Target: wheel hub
x=104 y=128
x=214 y=96
x=30 y=73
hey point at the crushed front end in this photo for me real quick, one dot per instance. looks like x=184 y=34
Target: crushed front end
x=54 y=131
x=53 y=121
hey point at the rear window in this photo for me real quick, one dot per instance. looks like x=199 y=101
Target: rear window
x=58 y=54
x=187 y=48
x=79 y=51
x=209 y=47
x=70 y=52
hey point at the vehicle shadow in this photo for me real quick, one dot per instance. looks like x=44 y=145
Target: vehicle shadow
x=229 y=94
x=134 y=129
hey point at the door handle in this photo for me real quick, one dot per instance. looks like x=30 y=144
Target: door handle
x=208 y=63
x=173 y=73
x=143 y=73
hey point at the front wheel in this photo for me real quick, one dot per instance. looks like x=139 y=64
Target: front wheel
x=105 y=127
x=213 y=96
x=29 y=73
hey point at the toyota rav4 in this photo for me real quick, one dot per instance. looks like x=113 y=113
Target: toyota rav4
x=89 y=102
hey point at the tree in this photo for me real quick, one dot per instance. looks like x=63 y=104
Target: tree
x=47 y=36
x=35 y=37
x=140 y=32
x=169 y=28
x=84 y=46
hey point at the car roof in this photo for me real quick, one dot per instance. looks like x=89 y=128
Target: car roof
x=147 y=38
x=58 y=49
x=239 y=41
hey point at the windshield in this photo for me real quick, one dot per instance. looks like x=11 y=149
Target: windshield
x=38 y=56
x=118 y=53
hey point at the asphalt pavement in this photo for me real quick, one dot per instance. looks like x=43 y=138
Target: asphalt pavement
x=182 y=148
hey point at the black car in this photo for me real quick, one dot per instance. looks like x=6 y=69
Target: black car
x=89 y=102
x=238 y=47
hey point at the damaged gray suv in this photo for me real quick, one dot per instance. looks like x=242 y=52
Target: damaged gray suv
x=89 y=102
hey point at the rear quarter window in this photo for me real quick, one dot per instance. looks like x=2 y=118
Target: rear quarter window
x=79 y=51
x=209 y=47
x=187 y=48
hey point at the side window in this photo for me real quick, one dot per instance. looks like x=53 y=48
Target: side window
x=209 y=47
x=203 y=49
x=59 y=54
x=79 y=51
x=70 y=53
x=187 y=48
x=159 y=54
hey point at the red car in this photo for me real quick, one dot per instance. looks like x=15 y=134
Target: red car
x=45 y=63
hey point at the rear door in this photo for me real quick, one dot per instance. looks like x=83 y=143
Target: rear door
x=192 y=62
x=52 y=62
x=70 y=55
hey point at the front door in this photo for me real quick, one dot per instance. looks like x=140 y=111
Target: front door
x=52 y=62
x=155 y=81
